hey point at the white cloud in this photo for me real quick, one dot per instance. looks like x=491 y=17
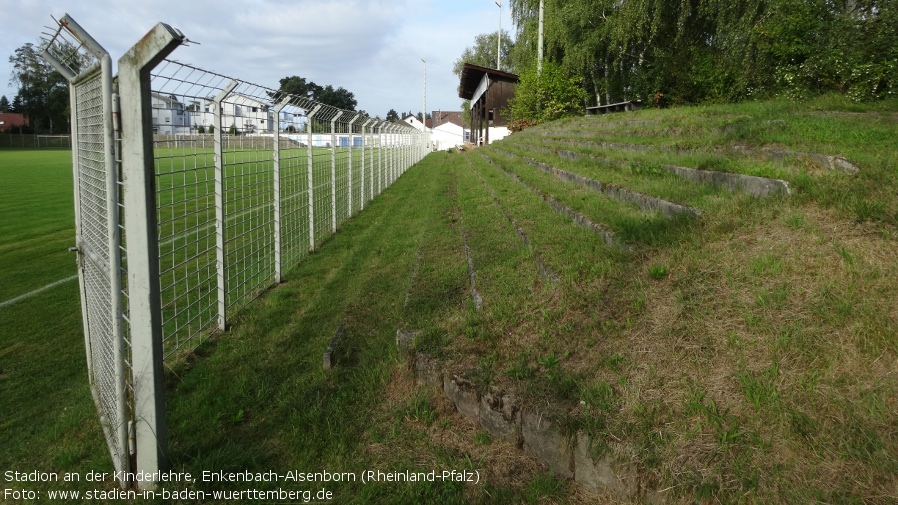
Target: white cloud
x=372 y=48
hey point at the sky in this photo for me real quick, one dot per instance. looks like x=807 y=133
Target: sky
x=372 y=48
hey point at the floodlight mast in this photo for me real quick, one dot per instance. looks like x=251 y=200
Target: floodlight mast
x=539 y=59
x=424 y=112
x=499 y=38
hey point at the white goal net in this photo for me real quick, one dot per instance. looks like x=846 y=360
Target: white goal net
x=53 y=141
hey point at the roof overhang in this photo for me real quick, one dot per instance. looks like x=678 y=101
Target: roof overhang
x=472 y=76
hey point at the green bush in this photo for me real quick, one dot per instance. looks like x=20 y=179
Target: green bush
x=545 y=96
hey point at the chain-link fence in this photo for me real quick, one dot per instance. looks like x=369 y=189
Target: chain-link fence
x=288 y=170
x=225 y=185
x=31 y=141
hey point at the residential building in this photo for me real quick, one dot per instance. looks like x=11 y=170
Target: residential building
x=447 y=129
x=12 y=122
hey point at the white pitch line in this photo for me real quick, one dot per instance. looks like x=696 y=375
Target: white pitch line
x=38 y=290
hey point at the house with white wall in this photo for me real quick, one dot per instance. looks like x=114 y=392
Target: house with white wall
x=414 y=122
x=170 y=116
x=448 y=129
x=245 y=113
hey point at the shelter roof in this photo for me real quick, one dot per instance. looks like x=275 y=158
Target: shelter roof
x=471 y=75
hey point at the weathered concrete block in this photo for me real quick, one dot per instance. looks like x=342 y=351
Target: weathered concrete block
x=543 y=441
x=426 y=372
x=500 y=415
x=405 y=339
x=602 y=476
x=328 y=361
x=463 y=394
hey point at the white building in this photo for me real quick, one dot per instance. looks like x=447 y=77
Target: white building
x=448 y=130
x=170 y=116
x=245 y=113
x=414 y=122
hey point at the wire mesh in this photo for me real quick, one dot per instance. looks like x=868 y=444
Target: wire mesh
x=319 y=171
x=87 y=67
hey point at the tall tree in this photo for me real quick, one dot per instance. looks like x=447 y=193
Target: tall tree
x=43 y=92
x=483 y=53
x=299 y=86
x=392 y=115
x=4 y=104
x=339 y=98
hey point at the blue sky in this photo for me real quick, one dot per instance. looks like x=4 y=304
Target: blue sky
x=372 y=48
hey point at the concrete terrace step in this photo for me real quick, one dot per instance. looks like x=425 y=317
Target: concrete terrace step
x=749 y=184
x=544 y=271
x=579 y=219
x=825 y=161
x=646 y=202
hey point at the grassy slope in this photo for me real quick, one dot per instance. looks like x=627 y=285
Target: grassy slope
x=751 y=357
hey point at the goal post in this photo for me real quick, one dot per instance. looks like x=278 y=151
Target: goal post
x=53 y=141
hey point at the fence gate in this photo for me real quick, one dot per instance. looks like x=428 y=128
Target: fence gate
x=88 y=68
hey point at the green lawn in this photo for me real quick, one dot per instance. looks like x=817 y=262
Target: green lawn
x=37 y=225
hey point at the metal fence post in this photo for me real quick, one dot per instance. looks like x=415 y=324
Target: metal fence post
x=380 y=158
x=220 y=222
x=278 y=261
x=143 y=248
x=351 y=165
x=334 y=172
x=364 y=198
x=388 y=156
x=311 y=180
x=394 y=153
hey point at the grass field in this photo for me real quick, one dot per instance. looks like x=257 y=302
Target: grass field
x=48 y=419
x=748 y=355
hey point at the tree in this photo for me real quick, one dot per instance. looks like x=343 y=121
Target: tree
x=43 y=95
x=4 y=104
x=711 y=50
x=392 y=116
x=339 y=98
x=299 y=86
x=483 y=53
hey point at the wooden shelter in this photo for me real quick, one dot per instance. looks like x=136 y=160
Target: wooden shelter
x=489 y=91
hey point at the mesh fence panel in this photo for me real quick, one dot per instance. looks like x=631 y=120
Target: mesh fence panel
x=310 y=152
x=294 y=201
x=87 y=67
